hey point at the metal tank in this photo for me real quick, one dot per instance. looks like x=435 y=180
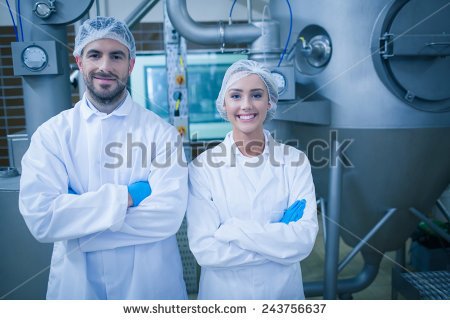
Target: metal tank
x=41 y=58
x=387 y=83
x=369 y=103
x=25 y=262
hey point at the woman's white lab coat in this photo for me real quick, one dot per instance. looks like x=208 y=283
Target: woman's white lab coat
x=232 y=224
x=103 y=249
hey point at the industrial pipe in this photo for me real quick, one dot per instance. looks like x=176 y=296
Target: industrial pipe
x=430 y=224
x=208 y=34
x=443 y=210
x=355 y=284
x=137 y=14
x=366 y=239
x=46 y=95
x=333 y=218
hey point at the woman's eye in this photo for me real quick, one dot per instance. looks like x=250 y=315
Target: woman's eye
x=257 y=96
x=235 y=96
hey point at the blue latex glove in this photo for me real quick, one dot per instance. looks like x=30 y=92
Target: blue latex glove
x=299 y=210
x=71 y=191
x=139 y=191
x=289 y=213
x=294 y=212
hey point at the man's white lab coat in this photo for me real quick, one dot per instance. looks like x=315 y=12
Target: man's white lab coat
x=103 y=249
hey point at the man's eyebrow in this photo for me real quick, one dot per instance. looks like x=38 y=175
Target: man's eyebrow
x=120 y=52
x=92 y=51
x=116 y=52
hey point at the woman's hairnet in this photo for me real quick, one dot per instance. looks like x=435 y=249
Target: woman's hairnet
x=241 y=69
x=104 y=28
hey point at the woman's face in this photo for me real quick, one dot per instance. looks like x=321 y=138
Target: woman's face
x=246 y=104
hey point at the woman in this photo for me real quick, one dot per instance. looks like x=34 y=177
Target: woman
x=247 y=243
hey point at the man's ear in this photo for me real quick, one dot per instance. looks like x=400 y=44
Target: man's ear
x=79 y=62
x=130 y=68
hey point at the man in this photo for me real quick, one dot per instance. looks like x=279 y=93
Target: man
x=107 y=183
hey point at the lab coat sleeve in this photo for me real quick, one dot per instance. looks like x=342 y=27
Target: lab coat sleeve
x=49 y=211
x=158 y=216
x=279 y=242
x=203 y=221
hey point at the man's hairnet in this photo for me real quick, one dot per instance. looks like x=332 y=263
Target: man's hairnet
x=241 y=69
x=104 y=28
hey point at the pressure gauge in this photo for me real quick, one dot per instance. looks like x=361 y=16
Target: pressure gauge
x=34 y=58
x=280 y=81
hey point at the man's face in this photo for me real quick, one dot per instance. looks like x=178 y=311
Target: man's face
x=106 y=66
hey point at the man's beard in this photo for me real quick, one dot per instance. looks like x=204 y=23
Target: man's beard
x=105 y=97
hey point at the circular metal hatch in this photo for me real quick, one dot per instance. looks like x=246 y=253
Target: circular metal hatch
x=411 y=52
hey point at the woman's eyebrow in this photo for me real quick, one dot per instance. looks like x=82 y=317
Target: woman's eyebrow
x=251 y=90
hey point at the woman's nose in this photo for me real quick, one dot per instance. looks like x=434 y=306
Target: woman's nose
x=246 y=103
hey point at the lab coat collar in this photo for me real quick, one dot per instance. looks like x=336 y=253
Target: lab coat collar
x=272 y=149
x=88 y=110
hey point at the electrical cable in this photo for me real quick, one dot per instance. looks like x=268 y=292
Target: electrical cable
x=289 y=35
x=20 y=18
x=97 y=7
x=13 y=22
x=265 y=9
x=231 y=11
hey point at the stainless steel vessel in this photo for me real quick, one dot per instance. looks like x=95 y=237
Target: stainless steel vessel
x=25 y=263
x=388 y=87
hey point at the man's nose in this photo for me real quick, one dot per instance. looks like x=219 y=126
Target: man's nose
x=105 y=64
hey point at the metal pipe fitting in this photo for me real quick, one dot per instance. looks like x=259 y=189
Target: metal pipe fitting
x=208 y=34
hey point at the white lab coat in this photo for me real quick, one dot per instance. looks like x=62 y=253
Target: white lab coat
x=232 y=223
x=103 y=249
